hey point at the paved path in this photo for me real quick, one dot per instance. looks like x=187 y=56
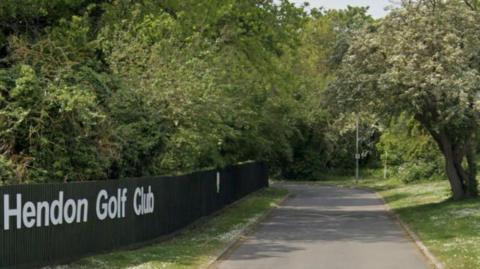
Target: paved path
x=327 y=228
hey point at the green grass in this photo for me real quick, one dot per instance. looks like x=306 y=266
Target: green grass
x=450 y=229
x=195 y=246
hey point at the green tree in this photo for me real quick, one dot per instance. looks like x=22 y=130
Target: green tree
x=209 y=80
x=323 y=140
x=53 y=122
x=423 y=59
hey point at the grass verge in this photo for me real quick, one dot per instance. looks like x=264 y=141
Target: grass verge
x=195 y=246
x=450 y=229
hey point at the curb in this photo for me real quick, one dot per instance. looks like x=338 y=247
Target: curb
x=242 y=235
x=431 y=259
x=434 y=262
x=411 y=234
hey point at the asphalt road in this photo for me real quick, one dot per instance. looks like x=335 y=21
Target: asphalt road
x=327 y=228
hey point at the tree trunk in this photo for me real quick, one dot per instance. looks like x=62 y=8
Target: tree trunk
x=463 y=181
x=454 y=176
x=472 y=184
x=454 y=154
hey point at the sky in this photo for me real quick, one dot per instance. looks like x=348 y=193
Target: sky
x=377 y=7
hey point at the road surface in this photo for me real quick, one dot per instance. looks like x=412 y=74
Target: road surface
x=322 y=227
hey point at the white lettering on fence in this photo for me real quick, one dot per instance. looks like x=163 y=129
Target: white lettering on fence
x=11 y=212
x=113 y=206
x=63 y=210
x=143 y=203
x=43 y=213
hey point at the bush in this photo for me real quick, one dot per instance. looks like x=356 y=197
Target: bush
x=414 y=171
x=7 y=171
x=410 y=151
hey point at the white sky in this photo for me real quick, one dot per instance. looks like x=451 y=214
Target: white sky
x=377 y=7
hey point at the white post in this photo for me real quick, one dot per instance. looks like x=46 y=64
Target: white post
x=357 y=154
x=385 y=167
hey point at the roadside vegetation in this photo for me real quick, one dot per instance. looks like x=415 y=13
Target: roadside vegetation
x=93 y=90
x=195 y=246
x=450 y=229
x=100 y=89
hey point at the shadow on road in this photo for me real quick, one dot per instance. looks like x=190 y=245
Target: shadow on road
x=341 y=228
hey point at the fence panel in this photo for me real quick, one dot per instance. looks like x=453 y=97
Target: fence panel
x=51 y=223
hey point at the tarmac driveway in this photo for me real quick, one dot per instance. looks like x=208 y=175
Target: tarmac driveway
x=325 y=227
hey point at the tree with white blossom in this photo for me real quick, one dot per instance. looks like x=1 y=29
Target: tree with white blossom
x=422 y=59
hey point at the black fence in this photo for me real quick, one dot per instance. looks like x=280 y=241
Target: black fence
x=52 y=223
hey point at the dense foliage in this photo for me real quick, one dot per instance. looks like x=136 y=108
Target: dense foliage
x=409 y=152
x=93 y=89
x=423 y=60
x=100 y=89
